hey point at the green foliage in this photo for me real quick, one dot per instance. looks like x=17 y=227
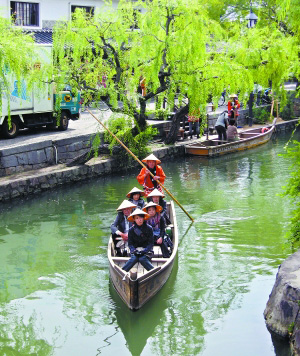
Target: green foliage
x=137 y=144
x=261 y=115
x=181 y=46
x=162 y=114
x=291 y=327
x=293 y=190
x=287 y=113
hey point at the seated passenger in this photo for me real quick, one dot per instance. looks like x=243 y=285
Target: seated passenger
x=158 y=225
x=158 y=198
x=135 y=197
x=119 y=228
x=232 y=132
x=140 y=241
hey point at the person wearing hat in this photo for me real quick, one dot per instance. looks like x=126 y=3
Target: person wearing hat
x=157 y=222
x=135 y=197
x=233 y=107
x=157 y=197
x=140 y=241
x=146 y=180
x=120 y=227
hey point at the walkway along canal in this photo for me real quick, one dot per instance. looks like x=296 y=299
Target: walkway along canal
x=34 y=181
x=55 y=293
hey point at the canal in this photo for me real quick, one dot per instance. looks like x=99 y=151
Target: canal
x=55 y=293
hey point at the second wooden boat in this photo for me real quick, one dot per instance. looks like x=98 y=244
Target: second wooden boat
x=138 y=286
x=248 y=139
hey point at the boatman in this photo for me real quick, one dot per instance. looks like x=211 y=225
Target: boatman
x=146 y=180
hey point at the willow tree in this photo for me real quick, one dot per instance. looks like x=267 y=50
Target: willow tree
x=18 y=58
x=179 y=46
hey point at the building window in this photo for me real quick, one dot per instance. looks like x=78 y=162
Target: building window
x=25 y=13
x=88 y=9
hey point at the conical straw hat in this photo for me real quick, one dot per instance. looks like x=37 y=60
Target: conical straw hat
x=156 y=193
x=151 y=158
x=126 y=204
x=135 y=190
x=137 y=212
x=158 y=208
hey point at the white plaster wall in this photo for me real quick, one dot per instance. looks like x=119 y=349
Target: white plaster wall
x=53 y=10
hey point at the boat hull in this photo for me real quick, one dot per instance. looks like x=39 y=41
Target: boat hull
x=249 y=139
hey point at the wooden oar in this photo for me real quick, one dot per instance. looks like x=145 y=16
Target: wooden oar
x=141 y=163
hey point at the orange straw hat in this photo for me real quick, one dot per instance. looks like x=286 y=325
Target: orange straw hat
x=125 y=205
x=156 y=193
x=137 y=211
x=135 y=190
x=151 y=158
x=158 y=208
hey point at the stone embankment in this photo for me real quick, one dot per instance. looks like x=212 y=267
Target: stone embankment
x=36 y=181
x=282 y=310
x=30 y=169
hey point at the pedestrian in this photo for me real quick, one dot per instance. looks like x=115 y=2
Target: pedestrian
x=193 y=120
x=233 y=107
x=221 y=126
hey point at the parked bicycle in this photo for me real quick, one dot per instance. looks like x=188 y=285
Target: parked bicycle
x=223 y=98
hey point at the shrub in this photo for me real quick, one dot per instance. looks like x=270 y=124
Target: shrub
x=137 y=144
x=287 y=112
x=261 y=115
x=292 y=189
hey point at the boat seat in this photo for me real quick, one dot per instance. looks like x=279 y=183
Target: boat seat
x=157 y=251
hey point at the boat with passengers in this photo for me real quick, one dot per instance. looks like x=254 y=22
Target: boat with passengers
x=138 y=286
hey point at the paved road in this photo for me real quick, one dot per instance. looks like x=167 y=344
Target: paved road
x=84 y=126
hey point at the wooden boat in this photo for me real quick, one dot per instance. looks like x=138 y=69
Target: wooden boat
x=138 y=285
x=248 y=139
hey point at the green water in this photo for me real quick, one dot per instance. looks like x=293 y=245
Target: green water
x=55 y=293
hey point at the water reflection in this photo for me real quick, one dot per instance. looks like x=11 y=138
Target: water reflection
x=137 y=327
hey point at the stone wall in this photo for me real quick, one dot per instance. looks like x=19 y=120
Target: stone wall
x=296 y=107
x=50 y=177
x=282 y=310
x=42 y=154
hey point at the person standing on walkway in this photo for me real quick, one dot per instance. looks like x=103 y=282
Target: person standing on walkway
x=193 y=120
x=146 y=180
x=233 y=107
x=221 y=126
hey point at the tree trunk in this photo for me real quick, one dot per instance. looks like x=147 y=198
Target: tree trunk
x=141 y=120
x=172 y=135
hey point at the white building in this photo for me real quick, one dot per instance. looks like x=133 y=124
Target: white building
x=42 y=14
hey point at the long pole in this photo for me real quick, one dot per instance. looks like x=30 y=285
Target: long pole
x=141 y=163
x=272 y=108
